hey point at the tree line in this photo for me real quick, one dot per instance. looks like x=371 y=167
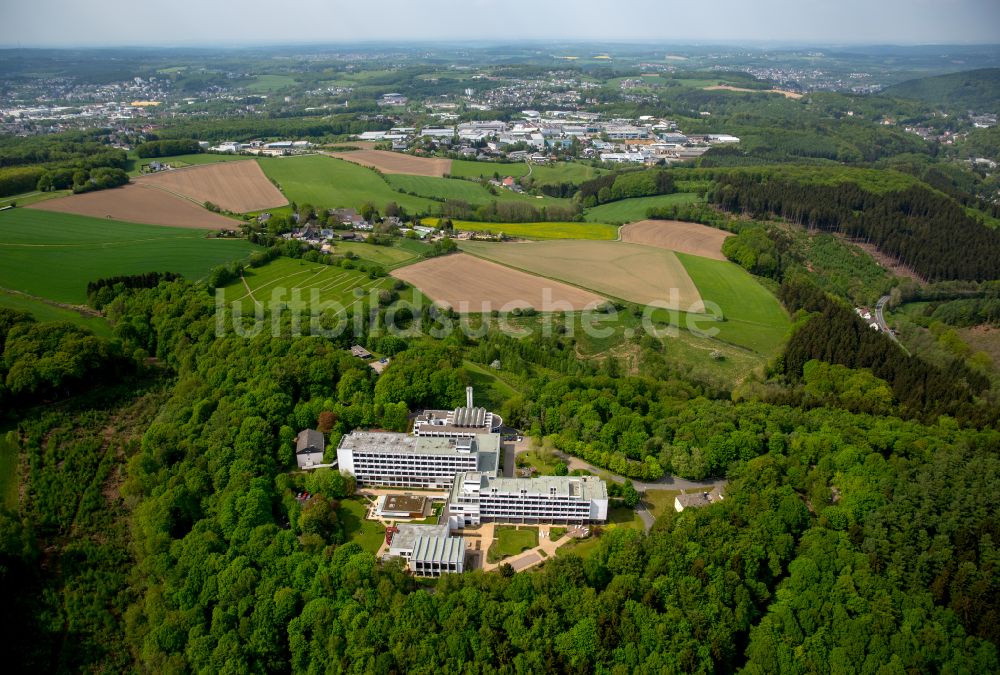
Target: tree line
x=921 y=228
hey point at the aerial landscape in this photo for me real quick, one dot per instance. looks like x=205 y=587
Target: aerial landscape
x=614 y=346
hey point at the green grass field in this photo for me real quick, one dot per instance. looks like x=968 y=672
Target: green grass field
x=491 y=391
x=276 y=281
x=389 y=257
x=561 y=172
x=329 y=182
x=8 y=473
x=33 y=197
x=54 y=255
x=43 y=311
x=367 y=534
x=540 y=231
x=631 y=210
x=180 y=161
x=509 y=541
x=753 y=316
x=465 y=190
x=263 y=84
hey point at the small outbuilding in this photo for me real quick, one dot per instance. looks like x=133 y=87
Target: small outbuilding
x=309 y=448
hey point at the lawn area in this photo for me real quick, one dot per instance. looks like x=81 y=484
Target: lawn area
x=464 y=190
x=660 y=501
x=541 y=461
x=510 y=540
x=43 y=311
x=631 y=210
x=8 y=472
x=54 y=255
x=387 y=256
x=276 y=281
x=753 y=316
x=328 y=182
x=541 y=231
x=556 y=533
x=561 y=172
x=367 y=534
x=180 y=161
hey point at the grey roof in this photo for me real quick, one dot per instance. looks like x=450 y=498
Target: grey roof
x=392 y=443
x=469 y=417
x=582 y=487
x=309 y=440
x=439 y=550
x=406 y=537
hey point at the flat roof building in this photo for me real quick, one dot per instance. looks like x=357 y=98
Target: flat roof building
x=428 y=549
x=404 y=460
x=401 y=506
x=476 y=497
x=467 y=421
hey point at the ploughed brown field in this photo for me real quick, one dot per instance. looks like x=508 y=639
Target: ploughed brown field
x=675 y=235
x=728 y=87
x=648 y=275
x=234 y=186
x=138 y=203
x=473 y=285
x=396 y=162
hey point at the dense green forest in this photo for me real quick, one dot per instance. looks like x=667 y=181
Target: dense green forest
x=843 y=535
x=919 y=227
x=975 y=90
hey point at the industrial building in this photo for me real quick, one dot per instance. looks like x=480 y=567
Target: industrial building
x=403 y=460
x=478 y=497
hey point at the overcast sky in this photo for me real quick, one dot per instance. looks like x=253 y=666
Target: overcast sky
x=232 y=22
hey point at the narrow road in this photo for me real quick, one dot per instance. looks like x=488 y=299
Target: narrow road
x=668 y=482
x=880 y=317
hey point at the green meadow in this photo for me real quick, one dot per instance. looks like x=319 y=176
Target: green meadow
x=753 y=317
x=283 y=279
x=329 y=182
x=631 y=210
x=54 y=255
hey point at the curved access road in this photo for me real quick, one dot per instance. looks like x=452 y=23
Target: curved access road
x=880 y=318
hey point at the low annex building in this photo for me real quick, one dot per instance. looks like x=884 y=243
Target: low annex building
x=429 y=550
x=401 y=506
x=477 y=497
x=391 y=459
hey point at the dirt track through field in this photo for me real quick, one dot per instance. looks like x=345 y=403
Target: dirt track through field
x=137 y=203
x=675 y=235
x=472 y=285
x=397 y=162
x=234 y=186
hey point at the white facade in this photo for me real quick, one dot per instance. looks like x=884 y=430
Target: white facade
x=477 y=498
x=403 y=460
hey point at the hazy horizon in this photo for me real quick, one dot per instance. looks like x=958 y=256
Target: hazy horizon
x=777 y=23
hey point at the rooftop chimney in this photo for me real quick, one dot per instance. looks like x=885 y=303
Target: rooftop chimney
x=468 y=397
